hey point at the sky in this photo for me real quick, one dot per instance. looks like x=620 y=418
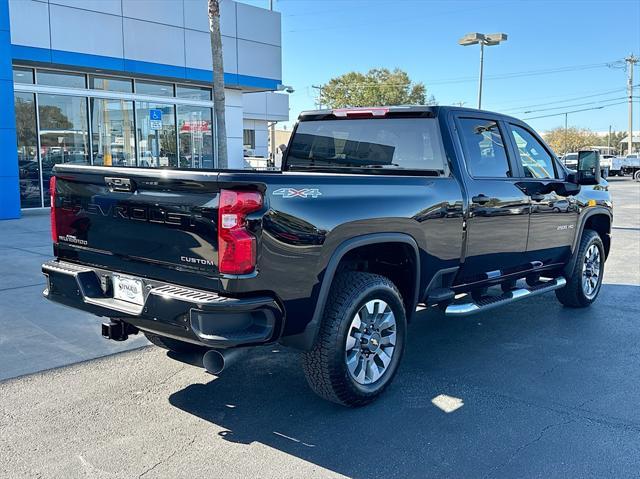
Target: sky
x=560 y=55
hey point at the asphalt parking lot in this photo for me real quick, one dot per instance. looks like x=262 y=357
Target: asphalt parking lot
x=546 y=391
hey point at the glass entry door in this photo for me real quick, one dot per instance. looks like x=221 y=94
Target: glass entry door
x=157 y=141
x=64 y=133
x=28 y=164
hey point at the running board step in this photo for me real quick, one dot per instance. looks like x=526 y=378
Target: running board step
x=490 y=302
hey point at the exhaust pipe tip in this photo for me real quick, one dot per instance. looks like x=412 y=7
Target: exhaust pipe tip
x=213 y=361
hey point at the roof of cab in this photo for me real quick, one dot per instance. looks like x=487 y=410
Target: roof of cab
x=409 y=109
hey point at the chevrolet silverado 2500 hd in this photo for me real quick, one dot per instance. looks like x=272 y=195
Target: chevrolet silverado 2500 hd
x=375 y=211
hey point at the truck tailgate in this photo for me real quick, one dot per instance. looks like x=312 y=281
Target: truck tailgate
x=146 y=222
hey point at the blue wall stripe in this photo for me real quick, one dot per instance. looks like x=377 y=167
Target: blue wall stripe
x=9 y=181
x=84 y=60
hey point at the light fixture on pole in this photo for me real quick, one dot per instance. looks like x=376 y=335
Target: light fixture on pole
x=489 y=40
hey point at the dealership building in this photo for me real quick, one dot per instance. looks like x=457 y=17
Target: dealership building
x=128 y=83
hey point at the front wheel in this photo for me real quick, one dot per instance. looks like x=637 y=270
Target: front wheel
x=360 y=342
x=583 y=285
x=636 y=175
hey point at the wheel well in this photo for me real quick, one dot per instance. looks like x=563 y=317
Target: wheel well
x=395 y=261
x=601 y=224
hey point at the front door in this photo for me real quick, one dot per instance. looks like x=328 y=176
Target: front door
x=554 y=212
x=498 y=218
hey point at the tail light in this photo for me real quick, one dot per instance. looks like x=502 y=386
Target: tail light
x=54 y=223
x=236 y=245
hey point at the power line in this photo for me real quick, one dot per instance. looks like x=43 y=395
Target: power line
x=501 y=76
x=574 y=111
x=576 y=105
x=567 y=100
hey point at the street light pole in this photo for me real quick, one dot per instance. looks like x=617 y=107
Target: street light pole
x=482 y=39
x=631 y=60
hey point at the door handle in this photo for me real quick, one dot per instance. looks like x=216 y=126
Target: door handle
x=481 y=199
x=537 y=197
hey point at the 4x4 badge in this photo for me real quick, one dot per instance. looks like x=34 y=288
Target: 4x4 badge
x=294 y=193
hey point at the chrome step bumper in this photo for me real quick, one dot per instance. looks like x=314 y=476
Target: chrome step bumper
x=490 y=302
x=176 y=311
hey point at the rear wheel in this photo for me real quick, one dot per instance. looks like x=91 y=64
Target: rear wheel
x=173 y=344
x=583 y=285
x=636 y=175
x=360 y=342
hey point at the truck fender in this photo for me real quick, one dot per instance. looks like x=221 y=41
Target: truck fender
x=306 y=339
x=568 y=268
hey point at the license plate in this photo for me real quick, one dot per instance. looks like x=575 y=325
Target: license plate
x=128 y=289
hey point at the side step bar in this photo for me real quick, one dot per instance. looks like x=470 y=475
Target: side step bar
x=490 y=302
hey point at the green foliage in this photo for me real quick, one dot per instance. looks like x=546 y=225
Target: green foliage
x=377 y=87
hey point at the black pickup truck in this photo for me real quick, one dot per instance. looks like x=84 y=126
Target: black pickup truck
x=375 y=211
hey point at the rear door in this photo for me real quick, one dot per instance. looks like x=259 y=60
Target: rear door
x=498 y=218
x=554 y=213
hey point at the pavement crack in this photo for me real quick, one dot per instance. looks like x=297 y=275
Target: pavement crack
x=524 y=446
x=169 y=457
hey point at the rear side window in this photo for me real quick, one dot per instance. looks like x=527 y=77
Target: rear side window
x=484 y=148
x=394 y=143
x=536 y=161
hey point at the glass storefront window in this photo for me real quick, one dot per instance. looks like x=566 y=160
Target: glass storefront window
x=157 y=140
x=195 y=137
x=53 y=78
x=154 y=88
x=112 y=132
x=23 y=75
x=193 y=92
x=111 y=84
x=28 y=165
x=64 y=136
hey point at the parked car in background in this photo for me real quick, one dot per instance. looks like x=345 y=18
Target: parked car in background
x=631 y=166
x=606 y=163
x=570 y=160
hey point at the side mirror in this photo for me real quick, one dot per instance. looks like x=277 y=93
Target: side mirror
x=588 y=168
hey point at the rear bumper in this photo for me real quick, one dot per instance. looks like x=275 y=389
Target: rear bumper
x=196 y=316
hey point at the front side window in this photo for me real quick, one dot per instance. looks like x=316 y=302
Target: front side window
x=536 y=161
x=394 y=143
x=484 y=148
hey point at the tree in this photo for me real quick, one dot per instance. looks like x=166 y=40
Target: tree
x=218 y=81
x=377 y=87
x=616 y=139
x=573 y=139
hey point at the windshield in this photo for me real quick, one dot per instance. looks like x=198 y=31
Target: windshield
x=398 y=143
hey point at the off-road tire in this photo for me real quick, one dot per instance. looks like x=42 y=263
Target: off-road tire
x=173 y=344
x=325 y=364
x=573 y=295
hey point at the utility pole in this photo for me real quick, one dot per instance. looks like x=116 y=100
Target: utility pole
x=631 y=60
x=319 y=101
x=609 y=141
x=566 y=131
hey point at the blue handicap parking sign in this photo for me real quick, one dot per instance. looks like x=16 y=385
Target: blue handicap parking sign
x=155 y=115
